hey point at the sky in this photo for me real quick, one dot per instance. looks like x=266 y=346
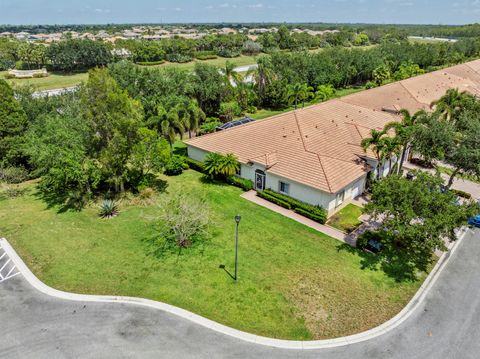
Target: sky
x=168 y=11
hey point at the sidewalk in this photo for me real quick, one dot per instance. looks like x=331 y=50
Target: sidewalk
x=329 y=231
x=458 y=183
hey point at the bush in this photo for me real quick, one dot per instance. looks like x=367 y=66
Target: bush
x=229 y=53
x=242 y=183
x=370 y=85
x=9 y=76
x=315 y=213
x=270 y=198
x=13 y=174
x=205 y=55
x=462 y=194
x=251 y=47
x=194 y=164
x=150 y=63
x=39 y=75
x=180 y=58
x=175 y=166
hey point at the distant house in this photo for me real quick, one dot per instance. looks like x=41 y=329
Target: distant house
x=314 y=154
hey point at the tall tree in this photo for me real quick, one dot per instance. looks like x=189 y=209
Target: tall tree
x=13 y=124
x=404 y=131
x=375 y=143
x=299 y=93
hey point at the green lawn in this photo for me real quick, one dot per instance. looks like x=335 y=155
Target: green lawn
x=219 y=62
x=347 y=218
x=53 y=81
x=265 y=113
x=293 y=283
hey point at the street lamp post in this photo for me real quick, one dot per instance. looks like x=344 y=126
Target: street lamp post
x=237 y=220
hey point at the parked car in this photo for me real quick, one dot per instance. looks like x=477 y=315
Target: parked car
x=474 y=221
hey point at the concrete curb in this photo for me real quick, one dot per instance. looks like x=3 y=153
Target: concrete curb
x=251 y=338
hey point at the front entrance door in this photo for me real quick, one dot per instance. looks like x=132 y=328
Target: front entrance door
x=259 y=180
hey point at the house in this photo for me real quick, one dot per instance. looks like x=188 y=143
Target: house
x=314 y=154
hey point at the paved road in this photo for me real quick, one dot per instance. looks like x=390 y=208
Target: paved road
x=33 y=325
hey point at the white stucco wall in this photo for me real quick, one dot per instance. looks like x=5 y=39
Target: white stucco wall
x=297 y=190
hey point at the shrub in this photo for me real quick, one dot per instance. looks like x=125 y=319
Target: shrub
x=370 y=85
x=270 y=198
x=229 y=110
x=13 y=174
x=180 y=58
x=210 y=125
x=145 y=197
x=229 y=53
x=462 y=194
x=243 y=183
x=218 y=166
x=9 y=76
x=108 y=209
x=150 y=63
x=39 y=75
x=175 y=166
x=194 y=164
x=315 y=213
x=205 y=55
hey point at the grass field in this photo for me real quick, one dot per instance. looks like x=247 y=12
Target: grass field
x=219 y=62
x=53 y=81
x=265 y=113
x=294 y=282
x=347 y=218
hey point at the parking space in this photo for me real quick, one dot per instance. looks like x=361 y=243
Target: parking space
x=7 y=267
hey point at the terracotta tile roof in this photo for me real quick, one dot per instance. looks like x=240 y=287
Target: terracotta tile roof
x=319 y=146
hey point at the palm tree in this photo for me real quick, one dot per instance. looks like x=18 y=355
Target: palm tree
x=390 y=148
x=299 y=92
x=263 y=74
x=190 y=115
x=325 y=92
x=375 y=143
x=167 y=124
x=450 y=104
x=403 y=131
x=217 y=165
x=230 y=74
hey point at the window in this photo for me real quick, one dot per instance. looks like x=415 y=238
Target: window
x=284 y=187
x=239 y=172
x=340 y=198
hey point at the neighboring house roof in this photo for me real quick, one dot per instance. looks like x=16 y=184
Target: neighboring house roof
x=319 y=146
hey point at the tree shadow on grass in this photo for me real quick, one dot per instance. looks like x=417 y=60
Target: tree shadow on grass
x=395 y=265
x=207 y=180
x=62 y=203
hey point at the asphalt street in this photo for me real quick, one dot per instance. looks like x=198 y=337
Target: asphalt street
x=34 y=325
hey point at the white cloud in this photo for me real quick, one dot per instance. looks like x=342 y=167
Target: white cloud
x=255 y=6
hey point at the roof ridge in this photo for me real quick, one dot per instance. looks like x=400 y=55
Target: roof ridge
x=324 y=173
x=410 y=93
x=470 y=67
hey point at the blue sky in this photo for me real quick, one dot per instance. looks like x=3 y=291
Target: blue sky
x=134 y=11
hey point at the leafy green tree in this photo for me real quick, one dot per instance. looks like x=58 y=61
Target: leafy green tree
x=208 y=88
x=417 y=218
x=13 y=124
x=150 y=154
x=167 y=124
x=115 y=119
x=229 y=110
x=407 y=70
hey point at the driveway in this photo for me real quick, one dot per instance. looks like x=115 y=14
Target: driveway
x=34 y=325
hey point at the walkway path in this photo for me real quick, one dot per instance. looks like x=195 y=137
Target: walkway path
x=329 y=231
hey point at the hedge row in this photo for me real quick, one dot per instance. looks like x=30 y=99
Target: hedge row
x=462 y=194
x=243 y=183
x=315 y=213
x=150 y=63
x=268 y=197
x=194 y=165
x=205 y=55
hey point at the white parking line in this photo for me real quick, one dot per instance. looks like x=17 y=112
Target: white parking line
x=12 y=272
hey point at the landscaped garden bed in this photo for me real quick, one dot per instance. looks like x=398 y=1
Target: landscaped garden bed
x=294 y=283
